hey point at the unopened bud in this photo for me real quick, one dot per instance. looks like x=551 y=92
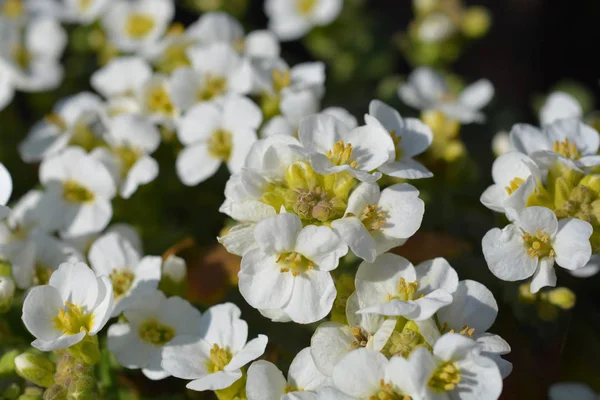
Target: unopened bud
x=7 y=291
x=175 y=269
x=562 y=297
x=35 y=368
x=7 y=362
x=476 y=22
x=322 y=211
x=31 y=393
x=440 y=124
x=592 y=182
x=12 y=392
x=81 y=388
x=525 y=295
x=300 y=175
x=55 y=392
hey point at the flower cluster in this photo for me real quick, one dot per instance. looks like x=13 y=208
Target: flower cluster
x=547 y=187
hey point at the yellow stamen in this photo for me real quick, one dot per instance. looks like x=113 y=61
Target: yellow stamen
x=152 y=331
x=513 y=185
x=341 y=154
x=219 y=358
x=220 y=144
x=159 y=101
x=445 y=377
x=71 y=319
x=566 y=149
x=281 y=80
x=539 y=246
x=121 y=281
x=75 y=193
x=139 y=25
x=305 y=7
x=213 y=86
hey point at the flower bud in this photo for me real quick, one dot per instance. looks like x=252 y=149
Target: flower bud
x=81 y=388
x=7 y=362
x=31 y=393
x=476 y=22
x=525 y=295
x=12 y=392
x=562 y=297
x=35 y=368
x=7 y=291
x=592 y=182
x=55 y=392
x=300 y=175
x=175 y=269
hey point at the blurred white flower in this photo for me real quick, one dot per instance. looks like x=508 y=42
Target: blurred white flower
x=266 y=382
x=175 y=269
x=292 y=19
x=153 y=322
x=427 y=89
x=78 y=193
x=74 y=304
x=214 y=133
x=533 y=242
x=6 y=187
x=290 y=268
x=559 y=105
x=132 y=275
x=571 y=390
x=436 y=27
x=501 y=143
x=212 y=357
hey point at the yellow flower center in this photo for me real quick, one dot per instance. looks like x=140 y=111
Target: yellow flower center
x=404 y=339
x=75 y=193
x=158 y=101
x=12 y=8
x=174 y=56
x=294 y=262
x=219 y=358
x=465 y=331
x=220 y=144
x=281 y=80
x=128 y=157
x=341 y=154
x=566 y=149
x=139 y=25
x=513 y=185
x=361 y=337
x=71 y=319
x=406 y=291
x=84 y=5
x=84 y=136
x=372 y=217
x=121 y=281
x=539 y=246
x=305 y=7
x=445 y=377
x=214 y=86
x=152 y=331
x=386 y=392
x=42 y=274
x=21 y=56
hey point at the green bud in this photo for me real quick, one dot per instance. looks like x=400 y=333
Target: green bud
x=300 y=175
x=13 y=391
x=31 y=393
x=81 y=388
x=562 y=190
x=7 y=291
x=5 y=268
x=562 y=297
x=87 y=350
x=35 y=368
x=7 y=362
x=592 y=182
x=55 y=392
x=476 y=22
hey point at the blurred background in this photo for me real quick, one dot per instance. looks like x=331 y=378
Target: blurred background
x=531 y=47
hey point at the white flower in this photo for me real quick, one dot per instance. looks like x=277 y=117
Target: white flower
x=455 y=370
x=292 y=19
x=32 y=253
x=366 y=374
x=343 y=115
x=213 y=134
x=533 y=242
x=266 y=382
x=335 y=148
x=137 y=25
x=7 y=92
x=174 y=268
x=131 y=274
x=275 y=77
x=376 y=221
x=294 y=107
x=75 y=303
x=501 y=143
x=213 y=357
x=6 y=187
x=427 y=90
x=84 y=242
x=81 y=11
x=73 y=121
x=411 y=137
x=153 y=321
x=132 y=138
x=472 y=312
x=515 y=176
x=31 y=58
x=217 y=70
x=435 y=28
x=392 y=286
x=590 y=269
x=568 y=140
x=290 y=268
x=78 y=193
x=157 y=101
x=332 y=340
x=559 y=105
x=570 y=391
x=121 y=77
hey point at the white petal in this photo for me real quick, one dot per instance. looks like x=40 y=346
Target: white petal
x=538 y=219
x=477 y=95
x=195 y=164
x=585 y=138
x=277 y=234
x=251 y=351
x=356 y=236
x=436 y=274
x=199 y=123
x=506 y=255
x=560 y=105
x=404 y=210
x=221 y=324
x=544 y=276
x=186 y=357
x=265 y=381
x=144 y=171
x=528 y=139
x=303 y=372
x=39 y=310
x=570 y=390
x=330 y=342
x=312 y=297
x=216 y=381
x=454 y=347
x=321 y=245
x=240 y=112
x=129 y=349
x=359 y=373
x=262 y=43
x=473 y=305
x=5 y=185
x=76 y=283
x=572 y=243
x=406 y=168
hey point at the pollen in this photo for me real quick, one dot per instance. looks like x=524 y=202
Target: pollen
x=445 y=378
x=386 y=391
x=407 y=291
x=566 y=149
x=513 y=185
x=121 y=281
x=154 y=332
x=159 y=101
x=219 y=358
x=341 y=154
x=294 y=262
x=305 y=7
x=73 y=192
x=213 y=86
x=539 y=246
x=373 y=218
x=361 y=339
x=71 y=319
x=138 y=25
x=220 y=144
